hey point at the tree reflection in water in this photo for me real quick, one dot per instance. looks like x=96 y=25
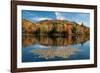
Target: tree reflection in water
x=57 y=41
x=51 y=47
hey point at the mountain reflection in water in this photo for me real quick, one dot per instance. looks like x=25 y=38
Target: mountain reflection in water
x=63 y=52
x=47 y=48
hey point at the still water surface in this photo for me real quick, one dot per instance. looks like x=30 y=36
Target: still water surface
x=46 y=48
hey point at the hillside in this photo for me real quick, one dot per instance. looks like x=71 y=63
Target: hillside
x=54 y=27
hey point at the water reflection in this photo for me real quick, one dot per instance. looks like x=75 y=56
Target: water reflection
x=48 y=48
x=48 y=40
x=53 y=52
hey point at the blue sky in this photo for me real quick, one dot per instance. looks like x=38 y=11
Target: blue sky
x=36 y=16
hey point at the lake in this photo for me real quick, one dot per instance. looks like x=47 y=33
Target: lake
x=48 y=48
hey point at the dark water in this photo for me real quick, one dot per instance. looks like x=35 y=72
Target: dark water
x=46 y=48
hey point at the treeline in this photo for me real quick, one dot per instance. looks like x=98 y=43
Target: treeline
x=53 y=27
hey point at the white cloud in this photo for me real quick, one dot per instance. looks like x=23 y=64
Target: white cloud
x=59 y=16
x=44 y=19
x=40 y=18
